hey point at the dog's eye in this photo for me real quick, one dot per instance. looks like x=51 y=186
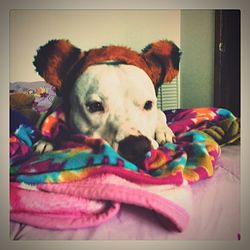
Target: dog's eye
x=148 y=105
x=95 y=107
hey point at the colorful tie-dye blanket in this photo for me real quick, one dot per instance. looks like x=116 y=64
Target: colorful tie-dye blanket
x=64 y=175
x=192 y=157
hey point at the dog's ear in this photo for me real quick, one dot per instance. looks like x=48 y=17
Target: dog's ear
x=55 y=59
x=163 y=58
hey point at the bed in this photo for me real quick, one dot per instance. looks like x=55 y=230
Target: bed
x=192 y=193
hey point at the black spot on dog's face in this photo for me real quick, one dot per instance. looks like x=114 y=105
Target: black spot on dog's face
x=134 y=149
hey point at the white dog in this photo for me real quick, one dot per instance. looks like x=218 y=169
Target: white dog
x=116 y=102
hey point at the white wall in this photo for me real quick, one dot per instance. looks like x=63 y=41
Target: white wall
x=197 y=62
x=86 y=29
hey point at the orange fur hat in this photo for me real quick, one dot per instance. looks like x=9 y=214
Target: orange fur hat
x=60 y=63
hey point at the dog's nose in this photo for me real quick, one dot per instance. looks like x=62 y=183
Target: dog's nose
x=133 y=148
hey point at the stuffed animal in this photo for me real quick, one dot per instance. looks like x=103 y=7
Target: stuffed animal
x=22 y=103
x=60 y=63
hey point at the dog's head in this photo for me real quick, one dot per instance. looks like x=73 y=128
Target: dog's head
x=110 y=92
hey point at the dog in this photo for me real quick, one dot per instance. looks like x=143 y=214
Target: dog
x=116 y=101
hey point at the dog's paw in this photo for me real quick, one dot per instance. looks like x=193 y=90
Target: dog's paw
x=42 y=146
x=164 y=135
x=154 y=144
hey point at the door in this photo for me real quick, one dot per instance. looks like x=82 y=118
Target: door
x=227 y=60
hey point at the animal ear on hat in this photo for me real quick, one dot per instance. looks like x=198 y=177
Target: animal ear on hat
x=163 y=58
x=54 y=61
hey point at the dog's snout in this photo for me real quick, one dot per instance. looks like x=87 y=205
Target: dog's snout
x=133 y=148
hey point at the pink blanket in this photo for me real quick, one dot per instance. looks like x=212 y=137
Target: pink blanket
x=95 y=200
x=83 y=183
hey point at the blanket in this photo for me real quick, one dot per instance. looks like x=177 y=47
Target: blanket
x=95 y=200
x=83 y=182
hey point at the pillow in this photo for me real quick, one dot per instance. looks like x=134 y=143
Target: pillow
x=44 y=93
